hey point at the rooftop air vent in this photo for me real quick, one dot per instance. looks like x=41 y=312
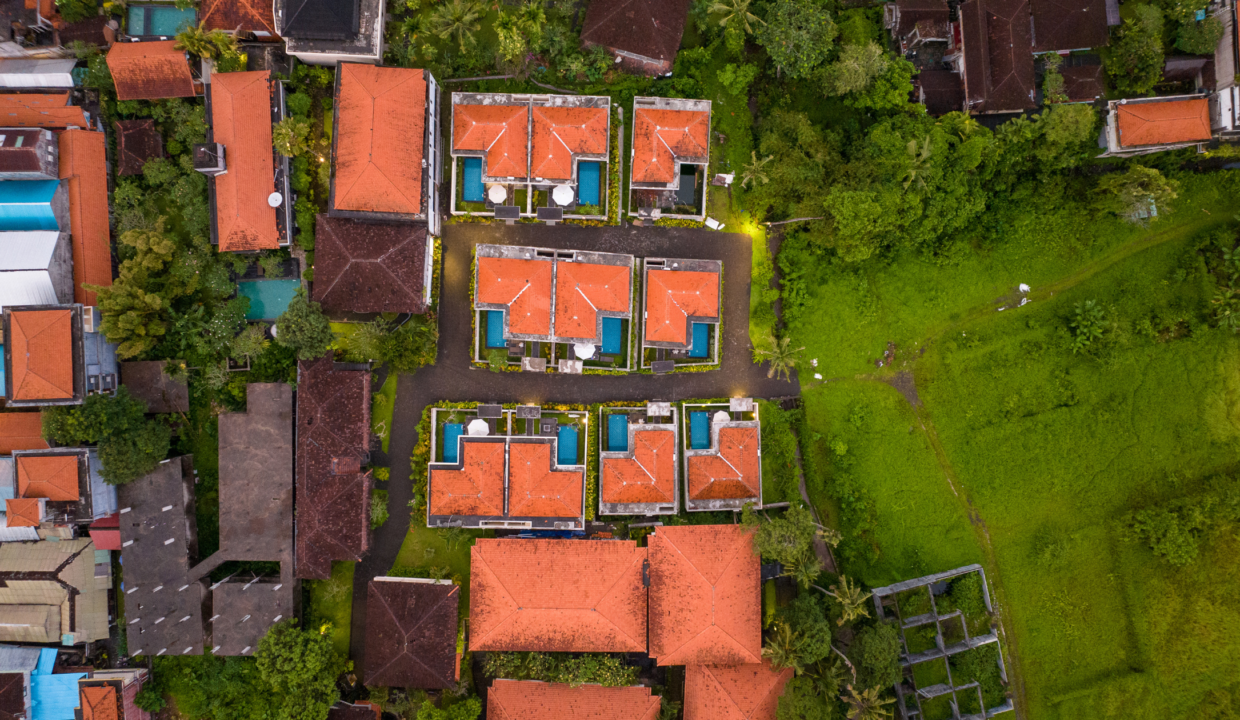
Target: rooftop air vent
x=209 y=159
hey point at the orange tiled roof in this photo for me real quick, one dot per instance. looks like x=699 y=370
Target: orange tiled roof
x=740 y=692
x=21 y=431
x=42 y=354
x=557 y=596
x=99 y=703
x=524 y=286
x=22 y=512
x=150 y=70
x=532 y=700
x=1162 y=123
x=647 y=477
x=54 y=477
x=477 y=488
x=381 y=115
x=562 y=132
x=674 y=296
x=83 y=162
x=243 y=15
x=660 y=137
x=500 y=130
x=704 y=596
x=241 y=122
x=582 y=289
x=39 y=110
x=535 y=490
x=733 y=473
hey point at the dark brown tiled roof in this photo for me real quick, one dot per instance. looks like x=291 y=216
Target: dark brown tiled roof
x=348 y=711
x=1069 y=24
x=147 y=381
x=365 y=267
x=411 y=630
x=92 y=31
x=1083 y=82
x=12 y=696
x=915 y=13
x=650 y=28
x=333 y=510
x=942 y=91
x=998 y=62
x=137 y=142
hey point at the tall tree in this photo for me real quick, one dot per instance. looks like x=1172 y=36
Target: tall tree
x=799 y=36
x=458 y=19
x=867 y=704
x=1135 y=194
x=303 y=327
x=782 y=358
x=301 y=667
x=1135 y=59
x=855 y=69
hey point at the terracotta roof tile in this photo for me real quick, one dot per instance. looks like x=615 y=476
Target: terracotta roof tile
x=535 y=490
x=1161 y=123
x=733 y=473
x=502 y=131
x=739 y=692
x=137 y=141
x=411 y=630
x=54 y=477
x=83 y=162
x=704 y=596
x=531 y=700
x=557 y=595
x=241 y=122
x=650 y=28
x=675 y=296
x=560 y=133
x=150 y=70
x=38 y=110
x=524 y=286
x=22 y=512
x=662 y=137
x=21 y=431
x=649 y=476
x=381 y=119
x=369 y=267
x=583 y=289
x=477 y=488
x=99 y=703
x=42 y=354
x=244 y=15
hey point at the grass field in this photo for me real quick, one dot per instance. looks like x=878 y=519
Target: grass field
x=381 y=409
x=1027 y=457
x=332 y=601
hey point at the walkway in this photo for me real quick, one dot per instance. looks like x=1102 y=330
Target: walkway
x=453 y=378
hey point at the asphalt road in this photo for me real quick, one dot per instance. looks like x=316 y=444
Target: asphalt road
x=453 y=378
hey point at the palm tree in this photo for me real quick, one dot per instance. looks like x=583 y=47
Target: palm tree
x=195 y=40
x=919 y=162
x=458 y=19
x=805 y=570
x=755 y=171
x=783 y=649
x=782 y=358
x=735 y=11
x=851 y=598
x=866 y=705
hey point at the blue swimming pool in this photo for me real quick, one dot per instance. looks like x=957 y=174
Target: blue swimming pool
x=159 y=20
x=471 y=175
x=617 y=433
x=587 y=182
x=268 y=298
x=495 y=329
x=451 y=431
x=613 y=335
x=27 y=205
x=699 y=430
x=701 y=341
x=566 y=454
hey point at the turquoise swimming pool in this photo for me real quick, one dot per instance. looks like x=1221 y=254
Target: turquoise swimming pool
x=495 y=329
x=472 y=189
x=587 y=182
x=451 y=431
x=617 y=433
x=159 y=20
x=613 y=335
x=268 y=298
x=701 y=341
x=566 y=452
x=699 y=430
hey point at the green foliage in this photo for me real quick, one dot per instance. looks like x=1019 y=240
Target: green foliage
x=594 y=668
x=785 y=539
x=736 y=79
x=1134 y=62
x=458 y=20
x=799 y=36
x=76 y=10
x=980 y=665
x=151 y=697
x=876 y=654
x=249 y=343
x=1135 y=192
x=468 y=709
x=298 y=104
x=1174 y=530
x=967 y=596
x=378 y=508
x=303 y=327
x=856 y=69
x=291 y=136
x=300 y=666
x=802 y=699
x=125 y=458
x=807 y=617
x=1053 y=87
x=1089 y=323
x=130 y=445
x=405 y=347
x=888 y=91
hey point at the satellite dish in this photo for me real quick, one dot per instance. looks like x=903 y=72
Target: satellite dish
x=275 y=200
x=478 y=428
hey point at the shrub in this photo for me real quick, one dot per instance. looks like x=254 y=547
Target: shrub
x=75 y=10
x=594 y=668
x=303 y=327
x=876 y=653
x=1199 y=38
x=1088 y=324
x=299 y=104
x=1172 y=532
x=130 y=445
x=378 y=508
x=966 y=595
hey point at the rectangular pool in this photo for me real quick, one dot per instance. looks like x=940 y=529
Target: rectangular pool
x=617 y=433
x=451 y=431
x=701 y=341
x=159 y=20
x=471 y=175
x=613 y=335
x=699 y=430
x=587 y=182
x=566 y=454
x=268 y=298
x=495 y=329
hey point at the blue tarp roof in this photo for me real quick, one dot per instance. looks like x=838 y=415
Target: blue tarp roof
x=53 y=697
x=28 y=191
x=27 y=205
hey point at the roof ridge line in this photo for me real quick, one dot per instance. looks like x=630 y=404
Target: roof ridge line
x=607 y=593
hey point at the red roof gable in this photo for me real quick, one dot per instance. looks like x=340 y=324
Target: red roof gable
x=39 y=110
x=380 y=132
x=21 y=431
x=22 y=512
x=42 y=353
x=562 y=132
x=661 y=137
x=150 y=70
x=524 y=286
x=732 y=473
x=704 y=596
x=502 y=131
x=54 y=477
x=674 y=296
x=83 y=162
x=557 y=595
x=100 y=702
x=582 y=290
x=242 y=15
x=241 y=122
x=1163 y=123
x=477 y=488
x=531 y=700
x=739 y=692
x=648 y=476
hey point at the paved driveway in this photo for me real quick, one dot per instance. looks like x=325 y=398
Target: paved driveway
x=453 y=378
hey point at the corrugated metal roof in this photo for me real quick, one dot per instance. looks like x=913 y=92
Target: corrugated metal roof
x=18 y=659
x=26 y=287
x=102 y=495
x=27 y=250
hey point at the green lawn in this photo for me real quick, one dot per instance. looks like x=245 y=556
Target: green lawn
x=441 y=554
x=381 y=409
x=1026 y=457
x=332 y=601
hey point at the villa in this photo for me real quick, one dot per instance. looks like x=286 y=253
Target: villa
x=670 y=153
x=638 y=460
x=723 y=458
x=680 y=313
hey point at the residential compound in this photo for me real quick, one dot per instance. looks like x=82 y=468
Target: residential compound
x=671 y=150
x=35 y=683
